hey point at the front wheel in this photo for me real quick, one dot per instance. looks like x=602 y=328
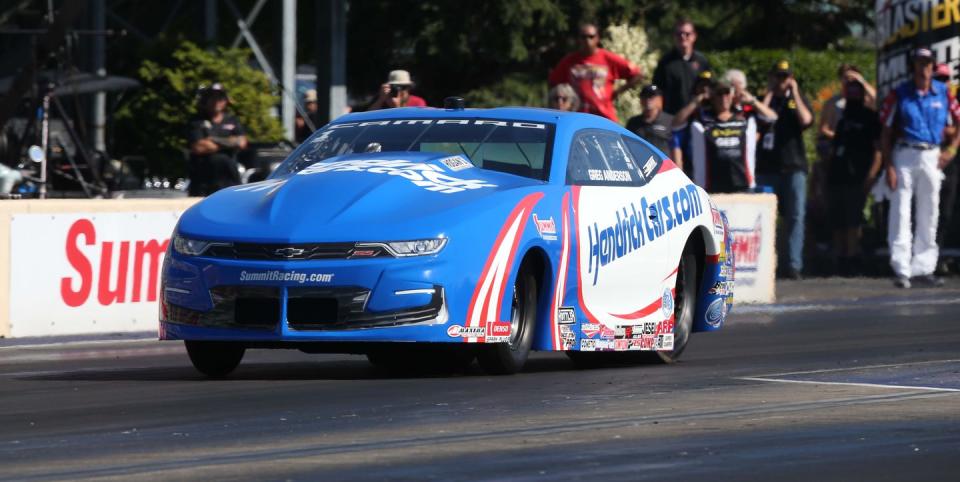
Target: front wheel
x=215 y=359
x=509 y=358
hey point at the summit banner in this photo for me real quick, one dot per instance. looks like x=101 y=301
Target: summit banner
x=903 y=25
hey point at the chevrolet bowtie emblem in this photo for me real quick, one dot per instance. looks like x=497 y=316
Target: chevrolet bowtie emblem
x=288 y=252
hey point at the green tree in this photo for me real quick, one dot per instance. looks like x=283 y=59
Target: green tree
x=155 y=122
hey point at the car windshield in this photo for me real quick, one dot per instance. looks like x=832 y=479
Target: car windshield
x=515 y=147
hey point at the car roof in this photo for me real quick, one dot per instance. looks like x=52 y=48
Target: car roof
x=533 y=114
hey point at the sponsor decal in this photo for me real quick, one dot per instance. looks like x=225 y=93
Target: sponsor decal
x=607 y=333
x=716 y=312
x=590 y=329
x=746 y=247
x=633 y=229
x=666 y=303
x=546 y=227
x=285 y=275
x=421 y=174
x=609 y=175
x=498 y=332
x=664 y=341
x=648 y=167
x=588 y=345
x=647 y=342
x=650 y=327
x=621 y=345
x=456 y=163
x=566 y=316
x=721 y=288
x=458 y=331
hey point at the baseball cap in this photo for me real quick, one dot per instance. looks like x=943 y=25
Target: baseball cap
x=651 y=91
x=399 y=77
x=923 y=53
x=782 y=67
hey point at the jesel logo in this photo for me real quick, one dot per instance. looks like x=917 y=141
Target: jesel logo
x=633 y=229
x=746 y=246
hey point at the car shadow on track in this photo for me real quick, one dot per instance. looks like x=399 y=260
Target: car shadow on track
x=358 y=369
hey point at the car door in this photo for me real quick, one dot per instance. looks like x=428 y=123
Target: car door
x=622 y=257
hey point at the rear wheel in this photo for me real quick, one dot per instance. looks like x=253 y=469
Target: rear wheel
x=509 y=358
x=685 y=299
x=214 y=359
x=684 y=303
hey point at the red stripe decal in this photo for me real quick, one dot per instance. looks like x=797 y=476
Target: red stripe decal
x=667 y=165
x=483 y=297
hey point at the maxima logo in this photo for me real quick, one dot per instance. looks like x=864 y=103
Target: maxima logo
x=633 y=229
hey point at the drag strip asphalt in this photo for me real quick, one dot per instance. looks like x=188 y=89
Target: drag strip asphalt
x=863 y=388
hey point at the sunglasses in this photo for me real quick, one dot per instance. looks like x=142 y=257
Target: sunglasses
x=560 y=98
x=588 y=36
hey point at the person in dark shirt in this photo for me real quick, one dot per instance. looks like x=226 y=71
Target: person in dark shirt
x=852 y=167
x=214 y=139
x=677 y=71
x=653 y=124
x=722 y=142
x=782 y=163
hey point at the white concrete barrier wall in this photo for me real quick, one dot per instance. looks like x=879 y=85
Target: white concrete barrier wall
x=753 y=220
x=82 y=266
x=92 y=266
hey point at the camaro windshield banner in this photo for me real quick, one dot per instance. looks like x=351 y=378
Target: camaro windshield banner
x=903 y=25
x=86 y=273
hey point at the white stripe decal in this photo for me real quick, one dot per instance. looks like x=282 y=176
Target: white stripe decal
x=561 y=275
x=491 y=288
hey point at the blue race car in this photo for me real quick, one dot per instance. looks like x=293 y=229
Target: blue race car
x=444 y=235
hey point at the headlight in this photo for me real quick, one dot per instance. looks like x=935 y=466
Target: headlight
x=193 y=247
x=418 y=247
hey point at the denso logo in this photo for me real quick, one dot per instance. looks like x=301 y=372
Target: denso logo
x=146 y=256
x=746 y=246
x=634 y=229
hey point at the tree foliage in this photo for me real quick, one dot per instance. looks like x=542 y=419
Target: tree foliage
x=155 y=122
x=456 y=47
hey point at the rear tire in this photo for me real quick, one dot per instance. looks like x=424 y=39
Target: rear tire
x=509 y=358
x=215 y=359
x=684 y=304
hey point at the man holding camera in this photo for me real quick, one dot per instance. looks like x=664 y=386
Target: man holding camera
x=782 y=162
x=214 y=139
x=395 y=92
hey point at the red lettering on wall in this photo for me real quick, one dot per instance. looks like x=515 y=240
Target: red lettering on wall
x=114 y=264
x=79 y=262
x=154 y=250
x=106 y=295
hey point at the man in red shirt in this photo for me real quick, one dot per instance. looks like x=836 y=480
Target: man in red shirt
x=592 y=71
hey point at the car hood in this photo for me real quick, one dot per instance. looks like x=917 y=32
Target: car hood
x=352 y=197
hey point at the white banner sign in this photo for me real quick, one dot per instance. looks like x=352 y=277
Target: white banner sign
x=77 y=273
x=753 y=221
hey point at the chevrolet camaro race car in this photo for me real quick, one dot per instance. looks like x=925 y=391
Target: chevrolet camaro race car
x=444 y=235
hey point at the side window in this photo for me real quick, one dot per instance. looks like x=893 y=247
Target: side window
x=644 y=157
x=600 y=158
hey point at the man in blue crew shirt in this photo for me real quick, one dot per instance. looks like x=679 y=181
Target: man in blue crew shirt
x=914 y=116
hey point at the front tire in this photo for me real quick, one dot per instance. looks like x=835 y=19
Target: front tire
x=215 y=359
x=509 y=358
